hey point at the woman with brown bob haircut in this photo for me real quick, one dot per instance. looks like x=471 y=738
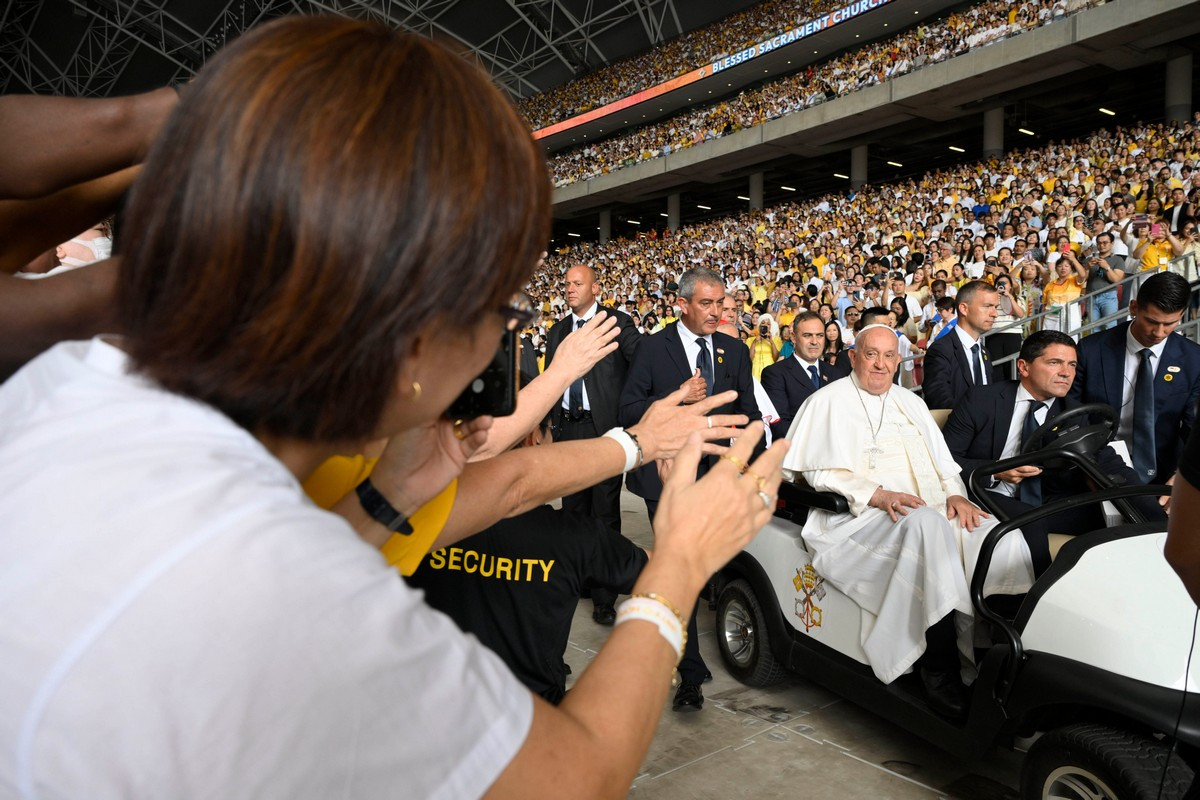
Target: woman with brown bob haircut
x=320 y=251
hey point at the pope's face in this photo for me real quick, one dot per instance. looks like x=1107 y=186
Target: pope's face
x=875 y=357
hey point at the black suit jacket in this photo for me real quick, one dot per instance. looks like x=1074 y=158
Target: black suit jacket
x=605 y=380
x=1100 y=378
x=788 y=384
x=948 y=372
x=978 y=428
x=659 y=368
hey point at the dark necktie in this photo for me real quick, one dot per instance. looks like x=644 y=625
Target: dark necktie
x=977 y=365
x=704 y=364
x=1144 y=459
x=576 y=395
x=1029 y=491
x=816 y=377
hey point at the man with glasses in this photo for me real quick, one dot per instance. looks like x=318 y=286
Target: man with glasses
x=1104 y=269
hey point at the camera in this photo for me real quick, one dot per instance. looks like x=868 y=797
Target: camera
x=494 y=391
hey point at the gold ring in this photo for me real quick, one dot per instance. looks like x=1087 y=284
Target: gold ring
x=759 y=479
x=742 y=466
x=459 y=433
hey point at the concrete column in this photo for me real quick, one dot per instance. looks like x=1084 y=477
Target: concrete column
x=673 y=211
x=858 y=166
x=756 y=191
x=1179 y=89
x=605 y=226
x=993 y=132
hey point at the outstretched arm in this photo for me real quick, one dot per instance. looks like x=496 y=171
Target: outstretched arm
x=55 y=142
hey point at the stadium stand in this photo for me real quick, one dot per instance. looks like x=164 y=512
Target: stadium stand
x=981 y=25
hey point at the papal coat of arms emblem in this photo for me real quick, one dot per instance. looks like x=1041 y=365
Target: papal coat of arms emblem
x=810 y=584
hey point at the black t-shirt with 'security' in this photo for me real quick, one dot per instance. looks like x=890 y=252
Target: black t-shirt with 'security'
x=515 y=586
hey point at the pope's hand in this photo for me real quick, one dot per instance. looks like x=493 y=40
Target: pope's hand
x=968 y=514
x=697 y=388
x=896 y=504
x=1018 y=474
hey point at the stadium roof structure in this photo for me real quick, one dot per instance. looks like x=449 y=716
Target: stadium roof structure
x=107 y=47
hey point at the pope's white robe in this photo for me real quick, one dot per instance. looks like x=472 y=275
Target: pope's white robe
x=906 y=575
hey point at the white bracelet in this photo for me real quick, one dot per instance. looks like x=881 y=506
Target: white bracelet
x=632 y=451
x=659 y=615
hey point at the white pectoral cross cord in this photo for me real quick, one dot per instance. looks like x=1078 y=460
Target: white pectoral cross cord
x=874 y=450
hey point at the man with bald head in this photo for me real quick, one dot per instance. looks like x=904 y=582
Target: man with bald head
x=589 y=406
x=906 y=548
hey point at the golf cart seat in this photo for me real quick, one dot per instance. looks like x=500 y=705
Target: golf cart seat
x=1056 y=542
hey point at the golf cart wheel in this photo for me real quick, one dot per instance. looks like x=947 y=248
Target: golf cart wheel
x=1096 y=762
x=742 y=637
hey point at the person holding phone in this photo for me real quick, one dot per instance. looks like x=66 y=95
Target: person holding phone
x=260 y=337
x=1105 y=268
x=1060 y=293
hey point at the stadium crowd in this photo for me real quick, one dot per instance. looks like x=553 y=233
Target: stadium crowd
x=1021 y=220
x=631 y=75
x=983 y=24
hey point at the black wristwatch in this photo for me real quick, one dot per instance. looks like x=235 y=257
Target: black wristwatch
x=380 y=510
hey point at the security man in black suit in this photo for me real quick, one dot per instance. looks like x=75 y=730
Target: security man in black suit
x=1149 y=374
x=789 y=382
x=960 y=360
x=589 y=407
x=691 y=351
x=996 y=421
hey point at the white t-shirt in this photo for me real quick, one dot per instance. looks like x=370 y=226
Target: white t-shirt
x=177 y=620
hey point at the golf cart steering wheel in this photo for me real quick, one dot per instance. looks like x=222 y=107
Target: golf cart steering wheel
x=1084 y=439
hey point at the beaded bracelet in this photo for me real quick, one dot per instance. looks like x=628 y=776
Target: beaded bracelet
x=656 y=613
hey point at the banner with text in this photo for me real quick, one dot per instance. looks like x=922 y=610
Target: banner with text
x=847 y=12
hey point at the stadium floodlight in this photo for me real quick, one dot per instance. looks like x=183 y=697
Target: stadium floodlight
x=787 y=188
x=840 y=175
x=706 y=208
x=576 y=235
x=634 y=221
x=1106 y=111
x=1025 y=131
x=743 y=197
x=957 y=149
x=662 y=214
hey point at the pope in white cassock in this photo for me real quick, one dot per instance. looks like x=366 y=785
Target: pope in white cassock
x=911 y=538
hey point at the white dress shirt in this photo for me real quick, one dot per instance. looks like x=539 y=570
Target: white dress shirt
x=574 y=321
x=1133 y=360
x=692 y=350
x=1012 y=444
x=968 y=343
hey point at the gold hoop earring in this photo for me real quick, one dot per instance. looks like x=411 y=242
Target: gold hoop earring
x=416 y=387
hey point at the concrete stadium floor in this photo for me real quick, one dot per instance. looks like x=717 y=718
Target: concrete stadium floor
x=793 y=739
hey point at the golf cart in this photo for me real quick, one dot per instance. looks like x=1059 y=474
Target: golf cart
x=1093 y=667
